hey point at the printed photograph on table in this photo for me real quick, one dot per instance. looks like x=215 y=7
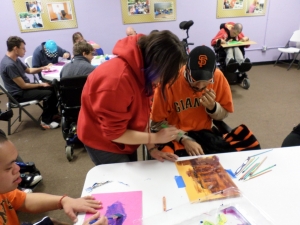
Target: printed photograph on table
x=240 y=8
x=145 y=11
x=30 y=21
x=59 y=11
x=205 y=179
x=163 y=10
x=138 y=7
x=34 y=7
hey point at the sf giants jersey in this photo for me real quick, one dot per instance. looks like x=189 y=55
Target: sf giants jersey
x=181 y=106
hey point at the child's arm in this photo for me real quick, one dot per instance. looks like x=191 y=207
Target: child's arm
x=40 y=202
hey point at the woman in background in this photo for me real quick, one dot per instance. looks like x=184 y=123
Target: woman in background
x=77 y=37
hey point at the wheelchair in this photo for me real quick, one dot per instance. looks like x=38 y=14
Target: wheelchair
x=69 y=97
x=232 y=77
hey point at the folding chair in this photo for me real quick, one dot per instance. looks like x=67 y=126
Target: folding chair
x=289 y=49
x=13 y=103
x=28 y=62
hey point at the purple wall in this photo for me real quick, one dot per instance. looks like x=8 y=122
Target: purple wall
x=101 y=21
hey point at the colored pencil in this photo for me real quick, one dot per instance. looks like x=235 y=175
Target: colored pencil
x=263 y=170
x=260 y=153
x=251 y=177
x=164 y=204
x=246 y=165
x=249 y=171
x=258 y=166
x=253 y=168
x=252 y=162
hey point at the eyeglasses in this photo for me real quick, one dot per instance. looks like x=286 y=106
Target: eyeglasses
x=195 y=83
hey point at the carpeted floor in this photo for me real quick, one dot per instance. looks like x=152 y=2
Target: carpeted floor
x=270 y=108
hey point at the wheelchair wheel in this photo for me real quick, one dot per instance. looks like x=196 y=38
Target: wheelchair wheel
x=245 y=83
x=64 y=128
x=69 y=153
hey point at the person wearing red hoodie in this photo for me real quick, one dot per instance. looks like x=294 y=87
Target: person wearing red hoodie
x=115 y=102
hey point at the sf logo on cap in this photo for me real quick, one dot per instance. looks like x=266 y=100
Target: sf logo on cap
x=202 y=60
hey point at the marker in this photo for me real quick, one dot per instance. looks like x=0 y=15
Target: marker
x=93 y=221
x=164 y=204
x=166 y=126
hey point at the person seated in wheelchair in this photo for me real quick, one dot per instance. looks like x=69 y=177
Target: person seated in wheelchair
x=200 y=94
x=234 y=55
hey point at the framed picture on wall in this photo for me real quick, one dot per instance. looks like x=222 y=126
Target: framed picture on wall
x=239 y=8
x=45 y=15
x=143 y=11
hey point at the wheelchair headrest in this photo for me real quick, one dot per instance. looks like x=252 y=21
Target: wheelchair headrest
x=185 y=25
x=222 y=26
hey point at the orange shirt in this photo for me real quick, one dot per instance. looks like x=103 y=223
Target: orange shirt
x=9 y=203
x=182 y=108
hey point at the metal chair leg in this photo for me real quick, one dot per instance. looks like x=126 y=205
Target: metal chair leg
x=278 y=59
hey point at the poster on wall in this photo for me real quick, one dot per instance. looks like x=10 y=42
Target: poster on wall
x=143 y=11
x=239 y=8
x=45 y=15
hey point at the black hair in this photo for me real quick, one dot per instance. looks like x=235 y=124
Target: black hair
x=3 y=137
x=163 y=56
x=14 y=41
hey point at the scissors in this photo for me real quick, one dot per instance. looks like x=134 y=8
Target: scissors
x=241 y=167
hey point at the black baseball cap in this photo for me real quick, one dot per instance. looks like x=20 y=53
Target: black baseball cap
x=202 y=63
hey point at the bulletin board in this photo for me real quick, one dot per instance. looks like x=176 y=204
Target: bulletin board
x=45 y=15
x=240 y=8
x=143 y=11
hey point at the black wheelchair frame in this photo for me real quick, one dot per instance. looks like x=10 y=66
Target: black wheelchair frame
x=232 y=78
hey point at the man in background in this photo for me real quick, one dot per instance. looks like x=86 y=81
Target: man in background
x=130 y=31
x=81 y=63
x=48 y=52
x=234 y=55
x=18 y=84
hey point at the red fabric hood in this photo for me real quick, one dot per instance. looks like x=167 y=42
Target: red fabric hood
x=128 y=50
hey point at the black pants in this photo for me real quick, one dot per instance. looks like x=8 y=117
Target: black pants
x=293 y=139
x=102 y=157
x=45 y=221
x=46 y=94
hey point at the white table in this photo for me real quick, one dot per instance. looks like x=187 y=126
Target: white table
x=276 y=193
x=54 y=73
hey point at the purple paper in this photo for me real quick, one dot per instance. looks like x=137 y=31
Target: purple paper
x=60 y=63
x=127 y=205
x=46 y=72
x=116 y=209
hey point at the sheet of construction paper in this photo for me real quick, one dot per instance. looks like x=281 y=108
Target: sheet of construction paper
x=128 y=204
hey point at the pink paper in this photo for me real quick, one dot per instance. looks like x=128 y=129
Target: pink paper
x=131 y=201
x=50 y=71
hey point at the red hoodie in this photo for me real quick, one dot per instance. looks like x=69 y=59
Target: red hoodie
x=114 y=100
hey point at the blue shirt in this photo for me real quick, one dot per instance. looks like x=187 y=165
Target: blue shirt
x=11 y=69
x=39 y=58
